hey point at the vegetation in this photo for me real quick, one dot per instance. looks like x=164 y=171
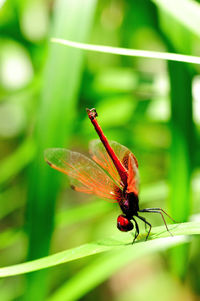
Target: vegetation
x=58 y=244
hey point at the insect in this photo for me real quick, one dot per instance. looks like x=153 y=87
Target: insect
x=111 y=174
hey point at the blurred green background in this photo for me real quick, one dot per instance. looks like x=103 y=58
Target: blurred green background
x=151 y=106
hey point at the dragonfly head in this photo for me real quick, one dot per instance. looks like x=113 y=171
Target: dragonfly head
x=92 y=113
x=124 y=224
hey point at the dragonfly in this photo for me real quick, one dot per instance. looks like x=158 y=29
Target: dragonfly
x=111 y=173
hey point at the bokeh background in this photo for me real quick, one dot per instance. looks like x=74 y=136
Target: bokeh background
x=151 y=106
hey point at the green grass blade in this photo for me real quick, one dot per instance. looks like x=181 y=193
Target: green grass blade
x=108 y=264
x=130 y=52
x=182 y=140
x=55 y=120
x=158 y=233
x=181 y=154
x=184 y=11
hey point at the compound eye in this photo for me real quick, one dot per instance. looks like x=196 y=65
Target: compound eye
x=124 y=224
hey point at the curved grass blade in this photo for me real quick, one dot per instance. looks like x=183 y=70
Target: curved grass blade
x=130 y=52
x=158 y=233
x=104 y=267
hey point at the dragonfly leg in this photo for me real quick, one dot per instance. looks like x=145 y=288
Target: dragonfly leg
x=146 y=223
x=136 y=229
x=155 y=210
x=160 y=209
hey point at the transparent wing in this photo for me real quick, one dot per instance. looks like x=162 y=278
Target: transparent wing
x=84 y=174
x=99 y=155
x=133 y=175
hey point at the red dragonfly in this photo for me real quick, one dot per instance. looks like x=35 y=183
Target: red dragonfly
x=111 y=174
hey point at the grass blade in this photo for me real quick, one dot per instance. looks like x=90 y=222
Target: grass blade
x=130 y=52
x=108 y=264
x=158 y=233
x=181 y=154
x=55 y=119
x=184 y=11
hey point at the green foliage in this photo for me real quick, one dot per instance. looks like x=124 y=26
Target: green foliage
x=137 y=63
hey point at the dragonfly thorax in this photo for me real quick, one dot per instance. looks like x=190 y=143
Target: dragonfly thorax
x=129 y=204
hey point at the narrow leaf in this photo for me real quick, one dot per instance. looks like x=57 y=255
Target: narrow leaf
x=158 y=233
x=184 y=11
x=130 y=52
x=108 y=264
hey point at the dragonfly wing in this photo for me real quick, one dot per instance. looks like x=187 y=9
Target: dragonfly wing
x=133 y=175
x=84 y=174
x=100 y=155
